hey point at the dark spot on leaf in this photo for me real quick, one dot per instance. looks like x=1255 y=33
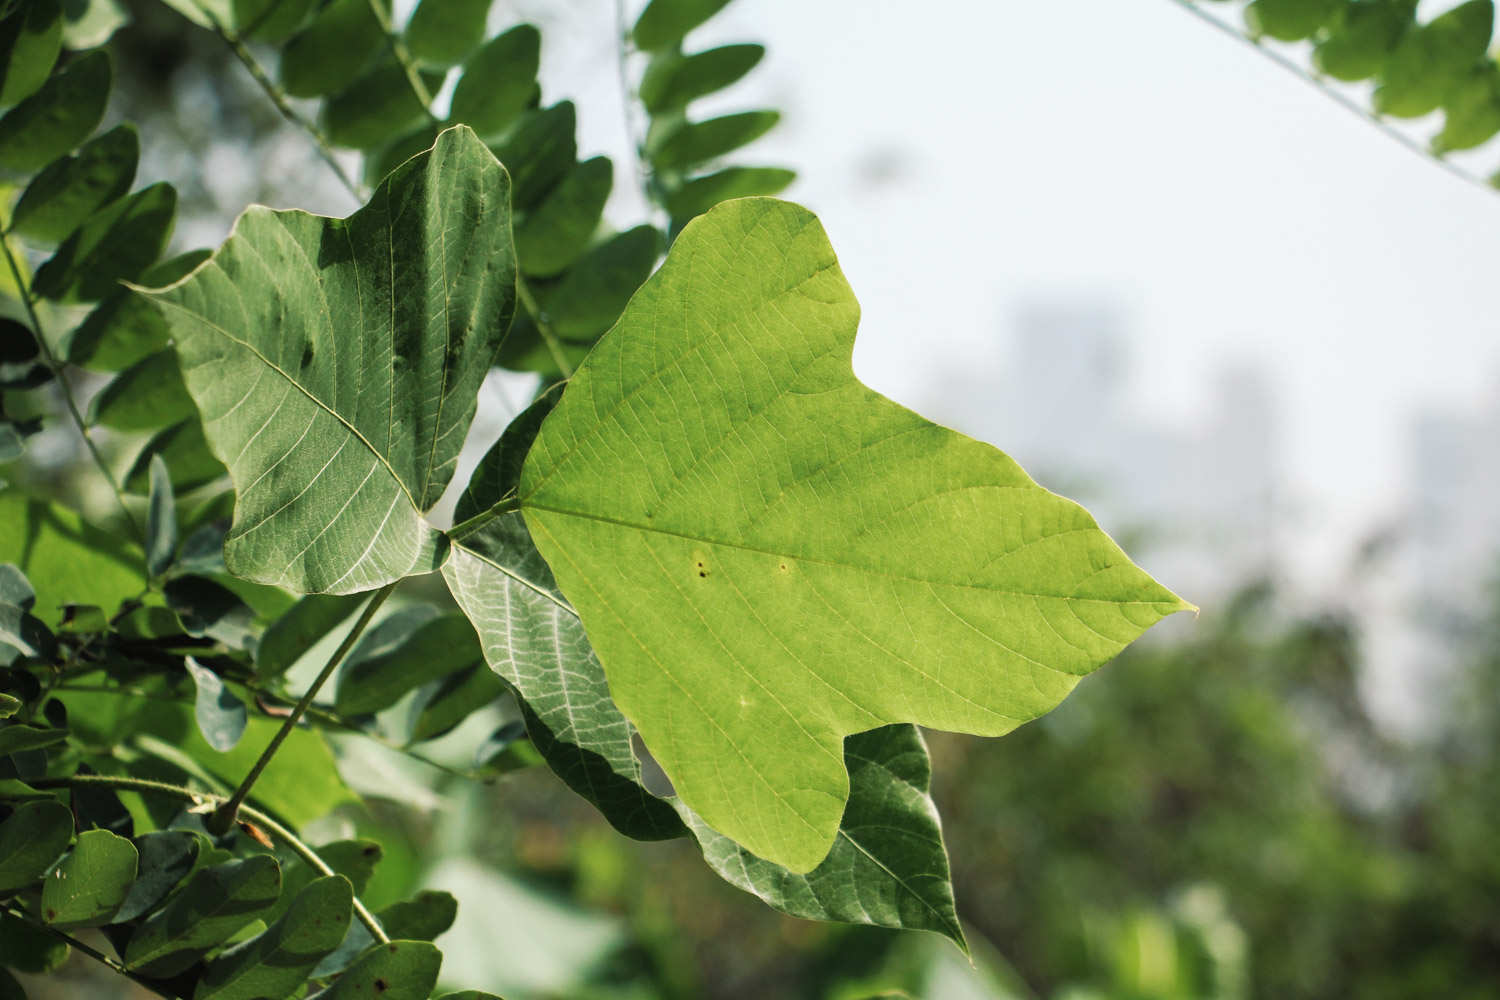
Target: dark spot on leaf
x=370 y=850
x=380 y=986
x=307 y=355
x=51 y=914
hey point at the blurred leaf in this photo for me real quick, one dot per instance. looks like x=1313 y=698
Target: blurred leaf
x=666 y=22
x=539 y=152
x=17 y=737
x=67 y=560
x=270 y=20
x=294 y=633
x=26 y=947
x=696 y=142
x=117 y=243
x=216 y=902
x=92 y=881
x=146 y=396
x=16 y=601
x=31 y=840
x=300 y=784
x=586 y=301
x=376 y=107
x=209 y=14
x=498 y=82
x=699 y=194
x=1357 y=47
x=453 y=699
x=206 y=608
x=554 y=234
x=57 y=117
x=1290 y=20
x=277 y=961
x=331 y=51
x=30 y=40
x=401 y=970
x=9 y=706
x=673 y=80
x=1434 y=58
x=91 y=22
x=72 y=188
x=422 y=918
x=221 y=715
x=20 y=355
x=166 y=858
x=126 y=328
x=370 y=682
x=363 y=444
x=99 y=807
x=185 y=450
x=1471 y=111
x=443 y=32
x=161 y=519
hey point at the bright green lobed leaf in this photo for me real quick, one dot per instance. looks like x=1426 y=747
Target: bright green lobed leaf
x=337 y=363
x=699 y=194
x=30 y=40
x=498 y=81
x=220 y=713
x=161 y=520
x=666 y=22
x=58 y=116
x=1434 y=58
x=216 y=902
x=31 y=841
x=443 y=32
x=126 y=328
x=92 y=881
x=331 y=51
x=673 y=80
x=277 y=961
x=117 y=243
x=586 y=301
x=147 y=395
x=400 y=970
x=769 y=556
x=696 y=142
x=67 y=560
x=554 y=234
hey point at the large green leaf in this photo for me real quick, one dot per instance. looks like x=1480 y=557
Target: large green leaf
x=377 y=107
x=277 y=961
x=30 y=40
x=92 y=881
x=769 y=556
x=57 y=117
x=34 y=837
x=337 y=364
x=216 y=902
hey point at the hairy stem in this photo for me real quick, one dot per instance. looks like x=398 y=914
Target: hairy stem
x=260 y=819
x=93 y=953
x=55 y=367
x=224 y=816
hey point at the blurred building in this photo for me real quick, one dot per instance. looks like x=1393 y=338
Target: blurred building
x=1193 y=503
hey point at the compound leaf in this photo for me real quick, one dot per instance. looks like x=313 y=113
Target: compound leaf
x=769 y=556
x=336 y=364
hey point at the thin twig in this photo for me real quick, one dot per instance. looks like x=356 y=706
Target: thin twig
x=55 y=367
x=224 y=816
x=1342 y=100
x=549 y=337
x=404 y=59
x=93 y=953
x=260 y=819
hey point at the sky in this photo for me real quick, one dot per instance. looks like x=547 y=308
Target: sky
x=968 y=157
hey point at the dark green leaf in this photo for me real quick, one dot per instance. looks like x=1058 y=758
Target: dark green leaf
x=1290 y=20
x=117 y=243
x=554 y=234
x=286 y=343
x=443 y=32
x=294 y=633
x=20 y=356
x=498 y=82
x=26 y=947
x=10 y=987
x=17 y=737
x=92 y=881
x=1357 y=47
x=277 y=961
x=99 y=807
x=418 y=140
x=73 y=187
x=448 y=702
x=31 y=840
x=696 y=142
x=698 y=195
x=56 y=118
x=185 y=450
x=67 y=560
x=421 y=918
x=400 y=970
x=370 y=682
x=666 y=22
x=330 y=52
x=216 y=902
x=146 y=396
x=524 y=350
x=1433 y=59
x=221 y=715
x=126 y=328
x=161 y=519
x=207 y=608
x=30 y=40
x=167 y=856
x=377 y=107
x=587 y=300
x=673 y=80
x=270 y=20
x=538 y=152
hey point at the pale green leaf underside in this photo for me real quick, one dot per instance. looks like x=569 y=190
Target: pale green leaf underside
x=769 y=556
x=336 y=365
